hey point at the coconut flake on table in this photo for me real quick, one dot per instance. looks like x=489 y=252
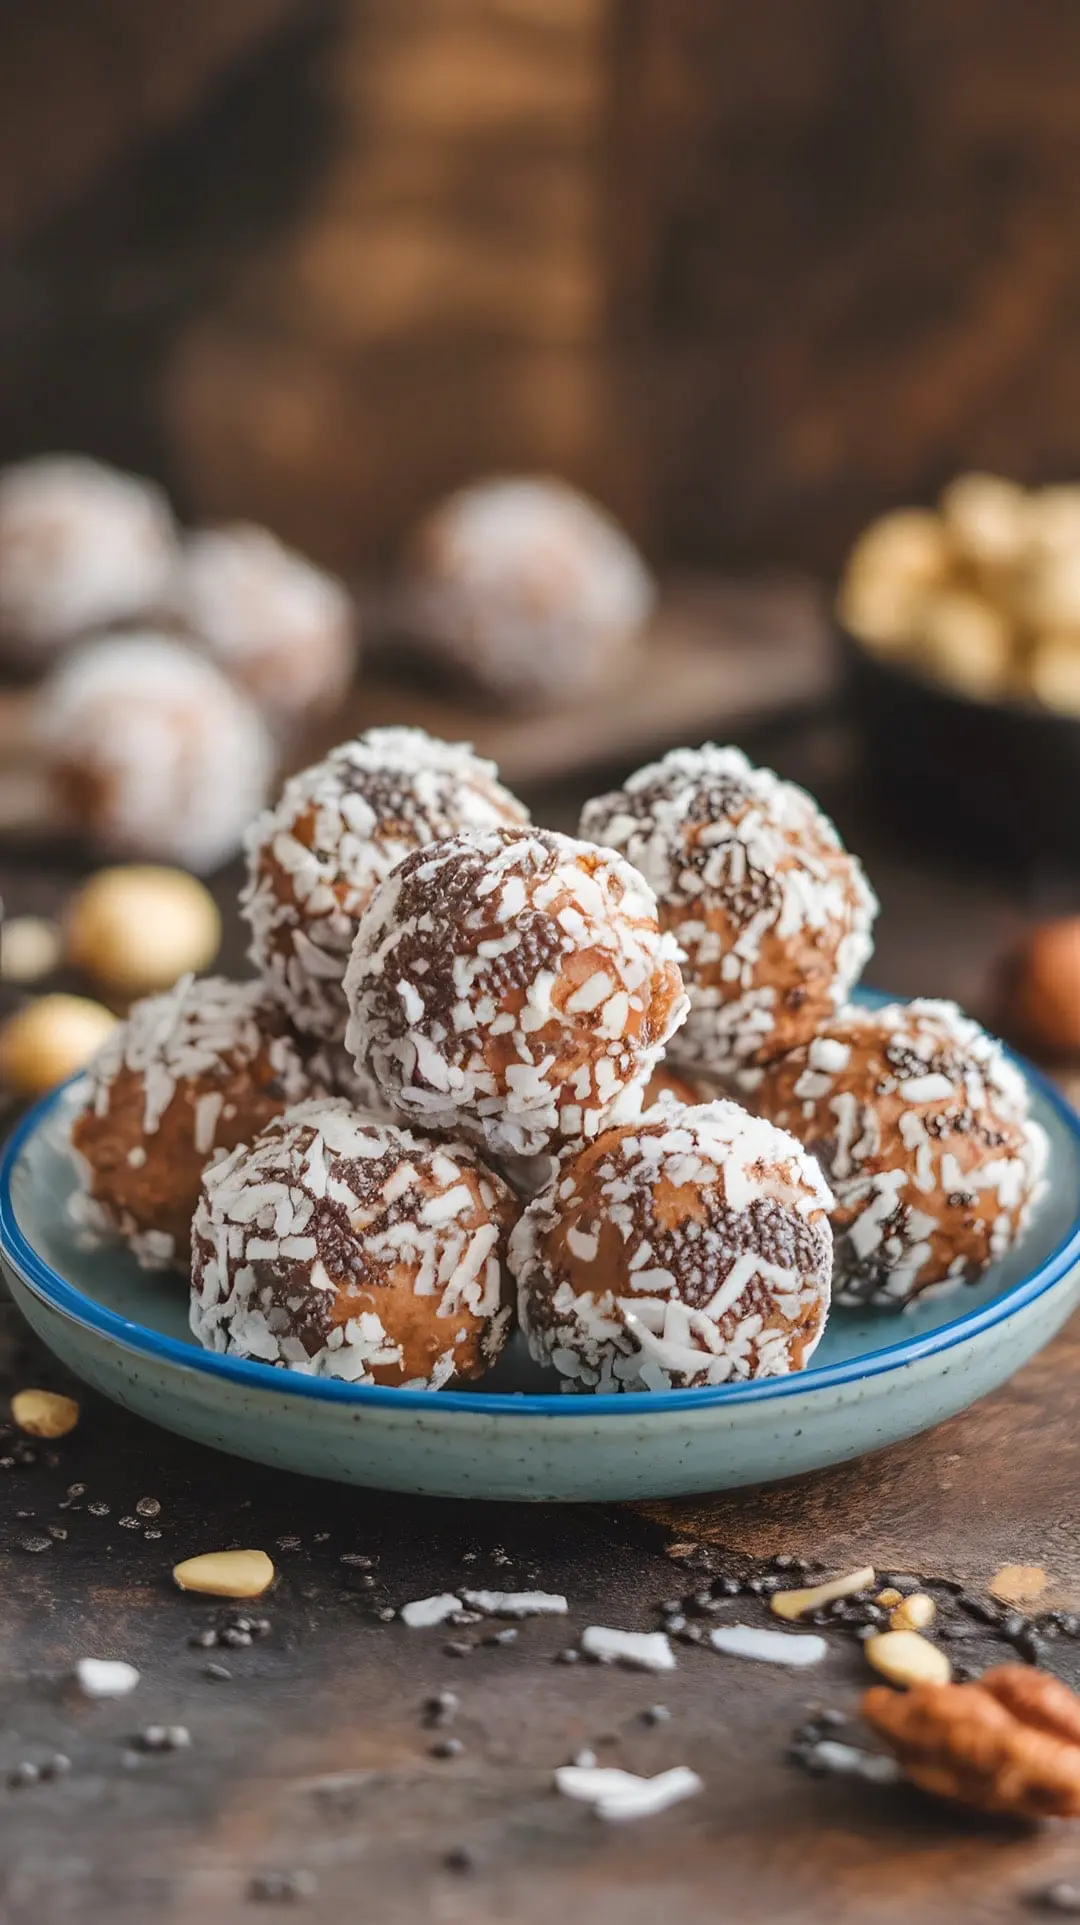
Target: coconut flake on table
x=850 y=1761
x=423 y=1612
x=517 y=1604
x=620 y=1796
x=768 y=1647
x=105 y=1677
x=639 y=1650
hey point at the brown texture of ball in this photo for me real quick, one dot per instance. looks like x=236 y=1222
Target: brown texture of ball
x=344 y=1247
x=772 y=914
x=920 y=1123
x=187 y=1077
x=691 y=1248
x=512 y=984
x=338 y=829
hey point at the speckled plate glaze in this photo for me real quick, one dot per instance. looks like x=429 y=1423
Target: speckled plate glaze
x=876 y=1376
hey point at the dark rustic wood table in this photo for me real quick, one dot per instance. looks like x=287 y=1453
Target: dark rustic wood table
x=312 y=1777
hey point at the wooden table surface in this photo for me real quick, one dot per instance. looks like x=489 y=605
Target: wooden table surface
x=311 y=1763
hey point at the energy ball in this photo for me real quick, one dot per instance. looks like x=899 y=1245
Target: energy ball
x=690 y=1248
x=512 y=984
x=81 y=546
x=920 y=1123
x=284 y=631
x=339 y=828
x=187 y=1077
x=773 y=916
x=152 y=753
x=344 y=1247
x=526 y=588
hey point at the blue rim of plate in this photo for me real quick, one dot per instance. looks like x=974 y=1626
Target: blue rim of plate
x=54 y=1290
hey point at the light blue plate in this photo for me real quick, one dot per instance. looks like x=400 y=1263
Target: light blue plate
x=875 y=1377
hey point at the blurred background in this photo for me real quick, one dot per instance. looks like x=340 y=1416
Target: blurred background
x=748 y=274
x=750 y=277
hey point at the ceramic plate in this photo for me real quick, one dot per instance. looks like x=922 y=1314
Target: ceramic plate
x=876 y=1376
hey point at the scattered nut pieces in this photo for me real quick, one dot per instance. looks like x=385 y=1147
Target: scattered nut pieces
x=1007 y=1744
x=889 y=1596
x=1018 y=1583
x=795 y=1604
x=44 y=1413
x=913 y=1613
x=48 y=1040
x=139 y=928
x=226 y=1573
x=30 y=948
x=907 y=1659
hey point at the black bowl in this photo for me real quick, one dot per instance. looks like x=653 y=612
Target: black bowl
x=994 y=778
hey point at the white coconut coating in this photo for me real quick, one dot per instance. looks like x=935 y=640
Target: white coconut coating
x=337 y=831
x=81 y=546
x=342 y=1246
x=186 y=1077
x=689 y=1248
x=284 y=630
x=152 y=752
x=921 y=1124
x=772 y=914
x=527 y=587
x=511 y=983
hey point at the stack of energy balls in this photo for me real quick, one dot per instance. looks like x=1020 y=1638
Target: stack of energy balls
x=440 y=1108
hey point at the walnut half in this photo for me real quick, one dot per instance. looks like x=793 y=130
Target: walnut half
x=1008 y=1743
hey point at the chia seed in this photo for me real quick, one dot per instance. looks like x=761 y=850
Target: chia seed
x=447 y=1748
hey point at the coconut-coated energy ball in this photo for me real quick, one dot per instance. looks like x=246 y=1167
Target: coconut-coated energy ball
x=513 y=984
x=339 y=828
x=526 y=588
x=345 y=1247
x=151 y=752
x=284 y=631
x=690 y=1248
x=773 y=916
x=920 y=1123
x=81 y=546
x=185 y=1078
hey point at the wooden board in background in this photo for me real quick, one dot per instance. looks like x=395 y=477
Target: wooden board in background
x=721 y=656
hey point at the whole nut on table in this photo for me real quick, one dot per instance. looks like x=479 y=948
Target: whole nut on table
x=1040 y=993
x=1008 y=1744
x=48 y=1040
x=139 y=928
